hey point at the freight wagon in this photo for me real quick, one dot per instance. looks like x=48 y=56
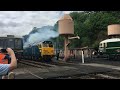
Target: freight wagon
x=16 y=43
x=12 y=42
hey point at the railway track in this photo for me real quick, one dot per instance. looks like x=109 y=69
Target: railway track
x=88 y=76
x=38 y=77
x=46 y=64
x=113 y=74
x=61 y=63
x=36 y=64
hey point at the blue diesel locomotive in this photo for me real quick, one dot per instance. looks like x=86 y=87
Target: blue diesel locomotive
x=43 y=51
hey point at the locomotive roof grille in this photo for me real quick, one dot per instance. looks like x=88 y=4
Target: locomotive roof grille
x=111 y=40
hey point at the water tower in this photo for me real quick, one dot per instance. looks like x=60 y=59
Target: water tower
x=114 y=30
x=66 y=29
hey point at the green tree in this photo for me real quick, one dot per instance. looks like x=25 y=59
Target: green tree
x=92 y=26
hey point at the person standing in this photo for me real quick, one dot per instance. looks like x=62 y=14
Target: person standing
x=6 y=67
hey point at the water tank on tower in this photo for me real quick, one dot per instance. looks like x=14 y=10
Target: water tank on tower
x=114 y=30
x=66 y=29
x=66 y=25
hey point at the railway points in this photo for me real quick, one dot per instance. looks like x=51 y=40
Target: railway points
x=89 y=70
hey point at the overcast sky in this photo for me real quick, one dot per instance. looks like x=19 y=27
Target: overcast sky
x=19 y=23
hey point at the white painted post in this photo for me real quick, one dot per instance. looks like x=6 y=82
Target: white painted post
x=82 y=57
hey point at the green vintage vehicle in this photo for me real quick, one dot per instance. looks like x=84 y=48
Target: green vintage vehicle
x=110 y=47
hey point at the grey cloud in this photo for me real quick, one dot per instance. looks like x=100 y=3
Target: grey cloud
x=2 y=24
x=9 y=24
x=13 y=24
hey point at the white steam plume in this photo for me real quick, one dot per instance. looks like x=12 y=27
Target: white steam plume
x=41 y=35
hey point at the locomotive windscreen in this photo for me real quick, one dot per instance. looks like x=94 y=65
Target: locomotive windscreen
x=47 y=44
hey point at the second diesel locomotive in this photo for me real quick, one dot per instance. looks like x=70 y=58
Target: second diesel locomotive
x=110 y=47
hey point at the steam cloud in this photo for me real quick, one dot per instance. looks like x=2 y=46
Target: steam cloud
x=42 y=34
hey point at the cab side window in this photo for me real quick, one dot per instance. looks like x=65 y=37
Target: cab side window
x=39 y=46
